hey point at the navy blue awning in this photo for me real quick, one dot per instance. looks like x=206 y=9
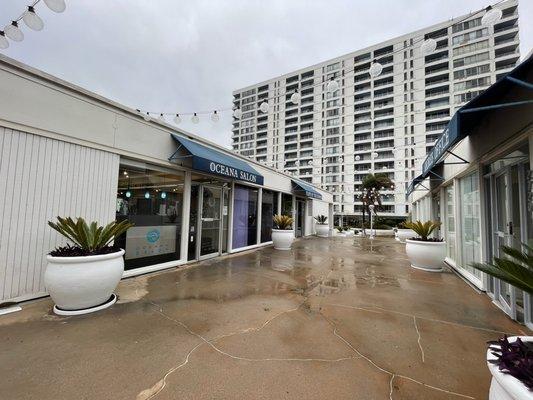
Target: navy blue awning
x=513 y=90
x=207 y=159
x=306 y=190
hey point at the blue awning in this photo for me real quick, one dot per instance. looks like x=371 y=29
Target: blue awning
x=207 y=159
x=517 y=85
x=306 y=190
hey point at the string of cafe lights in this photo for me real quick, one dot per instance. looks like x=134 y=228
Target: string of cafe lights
x=427 y=46
x=30 y=18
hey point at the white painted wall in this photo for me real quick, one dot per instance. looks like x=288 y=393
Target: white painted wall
x=41 y=178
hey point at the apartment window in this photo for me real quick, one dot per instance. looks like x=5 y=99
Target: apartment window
x=466 y=25
x=465 y=73
x=467 y=37
x=472 y=83
x=470 y=223
x=469 y=48
x=332 y=67
x=464 y=97
x=332 y=122
x=471 y=59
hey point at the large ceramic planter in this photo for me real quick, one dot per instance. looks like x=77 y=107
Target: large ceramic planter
x=81 y=283
x=427 y=256
x=403 y=234
x=322 y=230
x=504 y=386
x=282 y=239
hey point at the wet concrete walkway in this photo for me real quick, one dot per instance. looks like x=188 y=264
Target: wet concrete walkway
x=338 y=318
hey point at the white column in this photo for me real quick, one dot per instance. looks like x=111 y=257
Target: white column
x=185 y=217
x=279 y=202
x=230 y=217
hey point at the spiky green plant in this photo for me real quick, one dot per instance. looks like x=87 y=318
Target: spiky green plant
x=423 y=229
x=516 y=268
x=321 y=219
x=283 y=222
x=89 y=237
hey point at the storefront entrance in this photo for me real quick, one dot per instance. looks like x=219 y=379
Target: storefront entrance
x=300 y=218
x=508 y=223
x=208 y=226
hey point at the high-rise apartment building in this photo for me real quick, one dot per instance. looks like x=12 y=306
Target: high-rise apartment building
x=383 y=124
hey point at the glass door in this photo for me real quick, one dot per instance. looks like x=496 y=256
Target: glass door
x=211 y=221
x=300 y=215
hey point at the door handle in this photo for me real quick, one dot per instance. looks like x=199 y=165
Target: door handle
x=510 y=225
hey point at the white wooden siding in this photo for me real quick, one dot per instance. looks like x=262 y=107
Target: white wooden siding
x=41 y=178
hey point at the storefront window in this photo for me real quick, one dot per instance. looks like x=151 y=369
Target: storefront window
x=244 y=217
x=269 y=208
x=151 y=198
x=449 y=209
x=470 y=223
x=286 y=204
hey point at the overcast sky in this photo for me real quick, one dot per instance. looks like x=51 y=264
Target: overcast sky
x=185 y=56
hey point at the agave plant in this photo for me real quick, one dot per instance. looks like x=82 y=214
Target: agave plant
x=283 y=222
x=423 y=229
x=516 y=268
x=321 y=219
x=90 y=238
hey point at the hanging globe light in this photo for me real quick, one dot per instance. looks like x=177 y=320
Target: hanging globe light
x=177 y=119
x=57 y=6
x=161 y=117
x=375 y=69
x=310 y=162
x=295 y=98
x=13 y=32
x=215 y=117
x=32 y=20
x=4 y=43
x=357 y=157
x=332 y=86
x=147 y=117
x=375 y=154
x=492 y=16
x=237 y=113
x=195 y=119
x=428 y=46
x=263 y=107
x=341 y=160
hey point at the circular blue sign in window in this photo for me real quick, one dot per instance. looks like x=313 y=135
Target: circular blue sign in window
x=153 y=236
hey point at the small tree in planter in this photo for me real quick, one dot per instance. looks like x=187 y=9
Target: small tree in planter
x=322 y=227
x=282 y=233
x=371 y=195
x=81 y=277
x=425 y=253
x=510 y=360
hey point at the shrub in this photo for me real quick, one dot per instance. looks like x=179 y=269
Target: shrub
x=283 y=222
x=87 y=239
x=424 y=229
x=515 y=359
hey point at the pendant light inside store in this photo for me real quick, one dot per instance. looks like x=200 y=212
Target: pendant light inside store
x=32 y=20
x=13 y=32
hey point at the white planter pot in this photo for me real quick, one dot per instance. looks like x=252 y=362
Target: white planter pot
x=77 y=283
x=322 y=230
x=403 y=234
x=427 y=256
x=282 y=239
x=504 y=386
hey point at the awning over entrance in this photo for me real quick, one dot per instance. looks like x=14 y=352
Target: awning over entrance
x=303 y=189
x=513 y=90
x=206 y=159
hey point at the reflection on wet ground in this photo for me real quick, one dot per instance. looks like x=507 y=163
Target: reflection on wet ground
x=332 y=318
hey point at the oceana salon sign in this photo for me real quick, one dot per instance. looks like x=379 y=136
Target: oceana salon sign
x=221 y=169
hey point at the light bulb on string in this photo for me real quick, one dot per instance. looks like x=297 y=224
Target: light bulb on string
x=375 y=69
x=357 y=158
x=263 y=107
x=492 y=16
x=177 y=119
x=161 y=117
x=195 y=119
x=375 y=155
x=57 y=6
x=147 y=117
x=32 y=20
x=4 y=43
x=332 y=86
x=295 y=98
x=13 y=32
x=215 y=117
x=428 y=46
x=237 y=113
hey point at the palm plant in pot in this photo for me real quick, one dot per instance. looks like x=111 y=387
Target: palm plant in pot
x=81 y=277
x=424 y=252
x=510 y=360
x=322 y=226
x=282 y=233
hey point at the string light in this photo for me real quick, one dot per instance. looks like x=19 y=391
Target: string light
x=4 y=43
x=263 y=107
x=332 y=86
x=215 y=117
x=57 y=6
x=296 y=97
x=375 y=69
x=492 y=16
x=195 y=119
x=13 y=32
x=147 y=117
x=32 y=20
x=237 y=113
x=428 y=46
x=177 y=119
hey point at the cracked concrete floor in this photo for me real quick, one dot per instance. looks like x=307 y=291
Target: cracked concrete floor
x=338 y=318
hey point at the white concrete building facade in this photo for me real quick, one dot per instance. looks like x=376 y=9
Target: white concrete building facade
x=65 y=151
x=385 y=124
